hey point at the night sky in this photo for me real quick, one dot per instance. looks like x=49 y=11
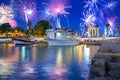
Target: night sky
x=76 y=13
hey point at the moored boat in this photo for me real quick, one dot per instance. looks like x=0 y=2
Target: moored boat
x=22 y=41
x=61 y=37
x=5 y=39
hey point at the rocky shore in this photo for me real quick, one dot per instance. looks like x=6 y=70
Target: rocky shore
x=105 y=65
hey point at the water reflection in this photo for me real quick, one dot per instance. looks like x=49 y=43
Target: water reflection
x=46 y=63
x=23 y=53
x=28 y=69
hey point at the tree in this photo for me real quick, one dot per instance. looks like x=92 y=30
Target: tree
x=29 y=25
x=5 y=28
x=41 y=27
x=18 y=29
x=117 y=29
x=107 y=26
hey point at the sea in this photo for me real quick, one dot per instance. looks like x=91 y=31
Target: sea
x=44 y=62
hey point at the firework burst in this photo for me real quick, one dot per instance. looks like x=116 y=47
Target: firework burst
x=112 y=21
x=92 y=5
x=6 y=15
x=56 y=9
x=110 y=5
x=88 y=19
x=27 y=9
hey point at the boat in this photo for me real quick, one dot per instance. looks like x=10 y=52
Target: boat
x=5 y=39
x=23 y=41
x=61 y=37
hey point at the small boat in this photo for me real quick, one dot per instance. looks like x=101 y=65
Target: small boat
x=22 y=41
x=61 y=37
x=5 y=39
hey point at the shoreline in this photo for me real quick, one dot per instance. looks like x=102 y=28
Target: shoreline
x=105 y=64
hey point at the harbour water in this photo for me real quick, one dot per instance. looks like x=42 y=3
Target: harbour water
x=42 y=62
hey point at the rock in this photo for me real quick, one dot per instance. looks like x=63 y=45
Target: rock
x=99 y=66
x=112 y=55
x=98 y=71
x=102 y=78
x=106 y=63
x=113 y=47
x=116 y=60
x=100 y=60
x=114 y=73
x=113 y=65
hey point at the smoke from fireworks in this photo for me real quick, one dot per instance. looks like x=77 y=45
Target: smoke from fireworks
x=7 y=16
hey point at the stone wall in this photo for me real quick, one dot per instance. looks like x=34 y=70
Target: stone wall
x=105 y=65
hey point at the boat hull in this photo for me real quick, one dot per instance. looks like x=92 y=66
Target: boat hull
x=22 y=42
x=62 y=42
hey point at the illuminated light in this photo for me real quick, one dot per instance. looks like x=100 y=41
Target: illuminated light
x=58 y=34
x=58 y=10
x=29 y=11
x=11 y=45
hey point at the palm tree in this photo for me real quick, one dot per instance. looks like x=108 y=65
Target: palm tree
x=117 y=29
x=107 y=26
x=29 y=25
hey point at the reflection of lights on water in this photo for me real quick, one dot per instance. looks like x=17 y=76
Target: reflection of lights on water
x=11 y=45
x=5 y=68
x=28 y=69
x=34 y=53
x=79 y=52
x=86 y=53
x=59 y=57
x=23 y=52
x=55 y=72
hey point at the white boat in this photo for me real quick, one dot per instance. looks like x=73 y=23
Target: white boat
x=5 y=40
x=22 y=41
x=61 y=36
